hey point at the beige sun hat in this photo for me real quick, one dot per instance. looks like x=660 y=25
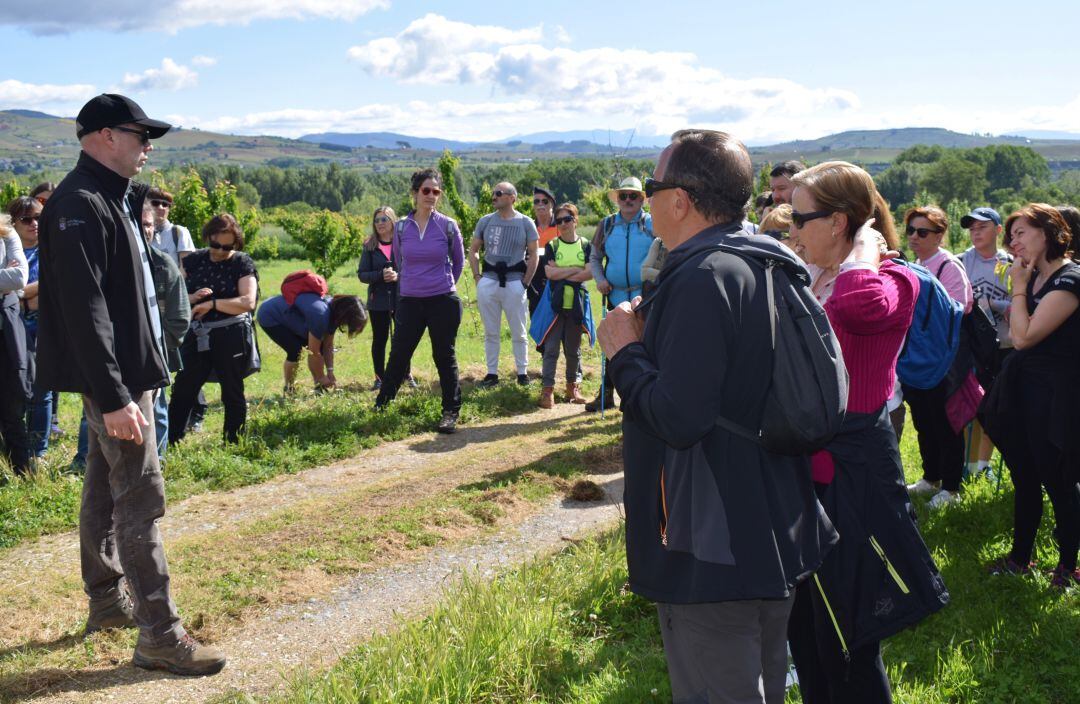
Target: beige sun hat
x=629 y=183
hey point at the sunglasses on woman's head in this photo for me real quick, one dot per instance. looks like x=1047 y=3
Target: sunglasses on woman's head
x=629 y=196
x=800 y=219
x=564 y=219
x=428 y=190
x=222 y=247
x=921 y=231
x=381 y=219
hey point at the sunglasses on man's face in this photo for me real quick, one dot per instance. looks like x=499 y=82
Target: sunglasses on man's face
x=500 y=194
x=564 y=219
x=428 y=190
x=381 y=219
x=799 y=220
x=161 y=204
x=27 y=219
x=541 y=201
x=921 y=231
x=222 y=247
x=630 y=196
x=144 y=137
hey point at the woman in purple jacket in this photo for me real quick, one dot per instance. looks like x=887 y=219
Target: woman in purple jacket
x=430 y=255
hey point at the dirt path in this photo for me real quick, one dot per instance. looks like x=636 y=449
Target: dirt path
x=315 y=632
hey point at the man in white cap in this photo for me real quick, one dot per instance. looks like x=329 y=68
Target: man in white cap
x=101 y=335
x=620 y=245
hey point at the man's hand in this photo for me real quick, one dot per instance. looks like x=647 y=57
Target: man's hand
x=621 y=327
x=126 y=423
x=201 y=309
x=604 y=287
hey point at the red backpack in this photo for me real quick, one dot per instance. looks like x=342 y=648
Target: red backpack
x=306 y=281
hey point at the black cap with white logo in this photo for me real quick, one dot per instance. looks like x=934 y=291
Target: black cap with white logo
x=110 y=110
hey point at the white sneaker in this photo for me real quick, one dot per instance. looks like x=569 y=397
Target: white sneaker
x=922 y=487
x=943 y=497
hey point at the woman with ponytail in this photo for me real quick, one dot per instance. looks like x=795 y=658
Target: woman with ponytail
x=837 y=624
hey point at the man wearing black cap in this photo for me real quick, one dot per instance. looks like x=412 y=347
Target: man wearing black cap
x=100 y=335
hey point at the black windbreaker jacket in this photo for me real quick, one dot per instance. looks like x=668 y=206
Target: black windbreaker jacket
x=710 y=516
x=95 y=335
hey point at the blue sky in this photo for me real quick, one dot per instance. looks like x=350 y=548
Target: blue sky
x=484 y=70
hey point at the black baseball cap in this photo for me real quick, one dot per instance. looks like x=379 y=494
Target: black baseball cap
x=544 y=190
x=110 y=110
x=983 y=214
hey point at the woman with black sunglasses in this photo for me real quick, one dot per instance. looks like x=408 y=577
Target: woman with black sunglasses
x=428 y=250
x=222 y=285
x=941 y=448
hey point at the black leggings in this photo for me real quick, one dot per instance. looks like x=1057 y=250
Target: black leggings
x=941 y=449
x=1039 y=464
x=441 y=317
x=228 y=359
x=380 y=321
x=16 y=440
x=287 y=340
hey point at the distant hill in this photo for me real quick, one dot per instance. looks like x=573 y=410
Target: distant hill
x=578 y=142
x=385 y=140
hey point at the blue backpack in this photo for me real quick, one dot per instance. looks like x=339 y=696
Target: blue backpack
x=934 y=335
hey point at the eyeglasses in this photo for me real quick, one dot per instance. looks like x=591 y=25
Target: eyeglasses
x=629 y=196
x=428 y=190
x=27 y=219
x=541 y=201
x=564 y=219
x=922 y=231
x=500 y=194
x=161 y=204
x=41 y=199
x=653 y=186
x=381 y=219
x=222 y=247
x=799 y=220
x=144 y=137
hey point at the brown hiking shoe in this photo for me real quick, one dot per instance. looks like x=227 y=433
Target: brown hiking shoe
x=186 y=656
x=114 y=615
x=547 y=397
x=573 y=394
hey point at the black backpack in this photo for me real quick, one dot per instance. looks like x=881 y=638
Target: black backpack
x=808 y=389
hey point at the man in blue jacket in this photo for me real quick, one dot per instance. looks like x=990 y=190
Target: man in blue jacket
x=718 y=531
x=619 y=247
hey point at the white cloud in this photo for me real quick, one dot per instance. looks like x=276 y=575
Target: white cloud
x=171 y=76
x=203 y=61
x=16 y=94
x=64 y=16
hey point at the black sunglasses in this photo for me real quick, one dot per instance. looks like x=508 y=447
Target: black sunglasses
x=381 y=219
x=629 y=196
x=161 y=204
x=653 y=186
x=500 y=194
x=922 y=231
x=564 y=219
x=799 y=220
x=27 y=219
x=144 y=137
x=428 y=190
x=540 y=201
x=222 y=247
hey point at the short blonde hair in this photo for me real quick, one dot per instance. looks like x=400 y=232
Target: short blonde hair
x=778 y=219
x=6 y=228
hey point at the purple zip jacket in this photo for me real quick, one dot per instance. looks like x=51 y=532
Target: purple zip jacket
x=432 y=264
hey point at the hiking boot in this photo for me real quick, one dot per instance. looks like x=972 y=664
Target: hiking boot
x=594 y=405
x=573 y=394
x=448 y=423
x=1063 y=579
x=547 y=397
x=488 y=381
x=186 y=656
x=942 y=498
x=115 y=615
x=1006 y=566
x=923 y=487
x=413 y=383
x=523 y=379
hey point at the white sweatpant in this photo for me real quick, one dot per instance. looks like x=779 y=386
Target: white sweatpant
x=493 y=300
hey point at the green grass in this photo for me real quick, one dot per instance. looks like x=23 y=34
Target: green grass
x=563 y=630
x=284 y=435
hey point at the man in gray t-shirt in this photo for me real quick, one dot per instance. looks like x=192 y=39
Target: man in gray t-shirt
x=509 y=240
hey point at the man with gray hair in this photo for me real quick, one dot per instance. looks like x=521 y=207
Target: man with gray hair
x=509 y=240
x=718 y=530
x=101 y=335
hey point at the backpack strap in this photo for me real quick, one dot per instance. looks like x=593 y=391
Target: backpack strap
x=176 y=239
x=941 y=269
